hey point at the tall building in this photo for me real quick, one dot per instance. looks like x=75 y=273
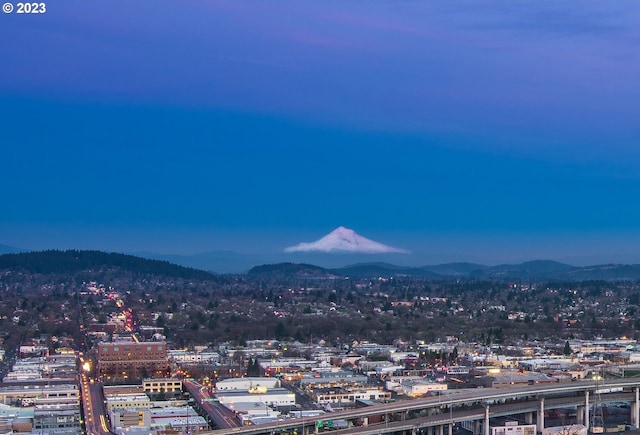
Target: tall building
x=132 y=360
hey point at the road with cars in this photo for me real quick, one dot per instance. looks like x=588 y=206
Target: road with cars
x=222 y=417
x=93 y=406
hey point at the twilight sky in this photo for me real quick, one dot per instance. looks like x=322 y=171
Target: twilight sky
x=490 y=131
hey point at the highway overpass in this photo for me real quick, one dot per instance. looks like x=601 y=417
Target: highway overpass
x=437 y=415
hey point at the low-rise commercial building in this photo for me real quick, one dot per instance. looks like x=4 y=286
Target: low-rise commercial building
x=54 y=417
x=419 y=388
x=348 y=397
x=172 y=420
x=28 y=394
x=272 y=397
x=162 y=385
x=247 y=383
x=191 y=357
x=339 y=378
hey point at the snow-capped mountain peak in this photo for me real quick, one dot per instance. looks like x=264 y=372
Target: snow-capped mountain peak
x=345 y=240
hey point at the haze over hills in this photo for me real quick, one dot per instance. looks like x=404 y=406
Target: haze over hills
x=74 y=260
x=234 y=262
x=336 y=264
x=411 y=264
x=4 y=249
x=214 y=261
x=343 y=248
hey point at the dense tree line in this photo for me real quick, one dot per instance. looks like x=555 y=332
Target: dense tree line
x=72 y=261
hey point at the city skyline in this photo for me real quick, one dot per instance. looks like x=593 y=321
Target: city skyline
x=492 y=132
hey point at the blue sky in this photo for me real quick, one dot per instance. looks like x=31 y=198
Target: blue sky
x=490 y=131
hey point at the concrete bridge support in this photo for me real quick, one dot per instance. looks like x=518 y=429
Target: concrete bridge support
x=580 y=414
x=540 y=416
x=439 y=430
x=586 y=410
x=528 y=417
x=635 y=409
x=476 y=427
x=450 y=426
x=485 y=423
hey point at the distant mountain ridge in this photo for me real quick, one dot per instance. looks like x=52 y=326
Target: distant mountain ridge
x=289 y=269
x=455 y=269
x=72 y=261
x=229 y=262
x=536 y=269
x=384 y=269
x=529 y=269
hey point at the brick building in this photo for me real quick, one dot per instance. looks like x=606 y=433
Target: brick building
x=132 y=360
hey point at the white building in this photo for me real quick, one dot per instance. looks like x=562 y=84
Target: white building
x=255 y=413
x=182 y=419
x=416 y=388
x=512 y=428
x=247 y=384
x=272 y=397
x=186 y=356
x=339 y=396
x=574 y=429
